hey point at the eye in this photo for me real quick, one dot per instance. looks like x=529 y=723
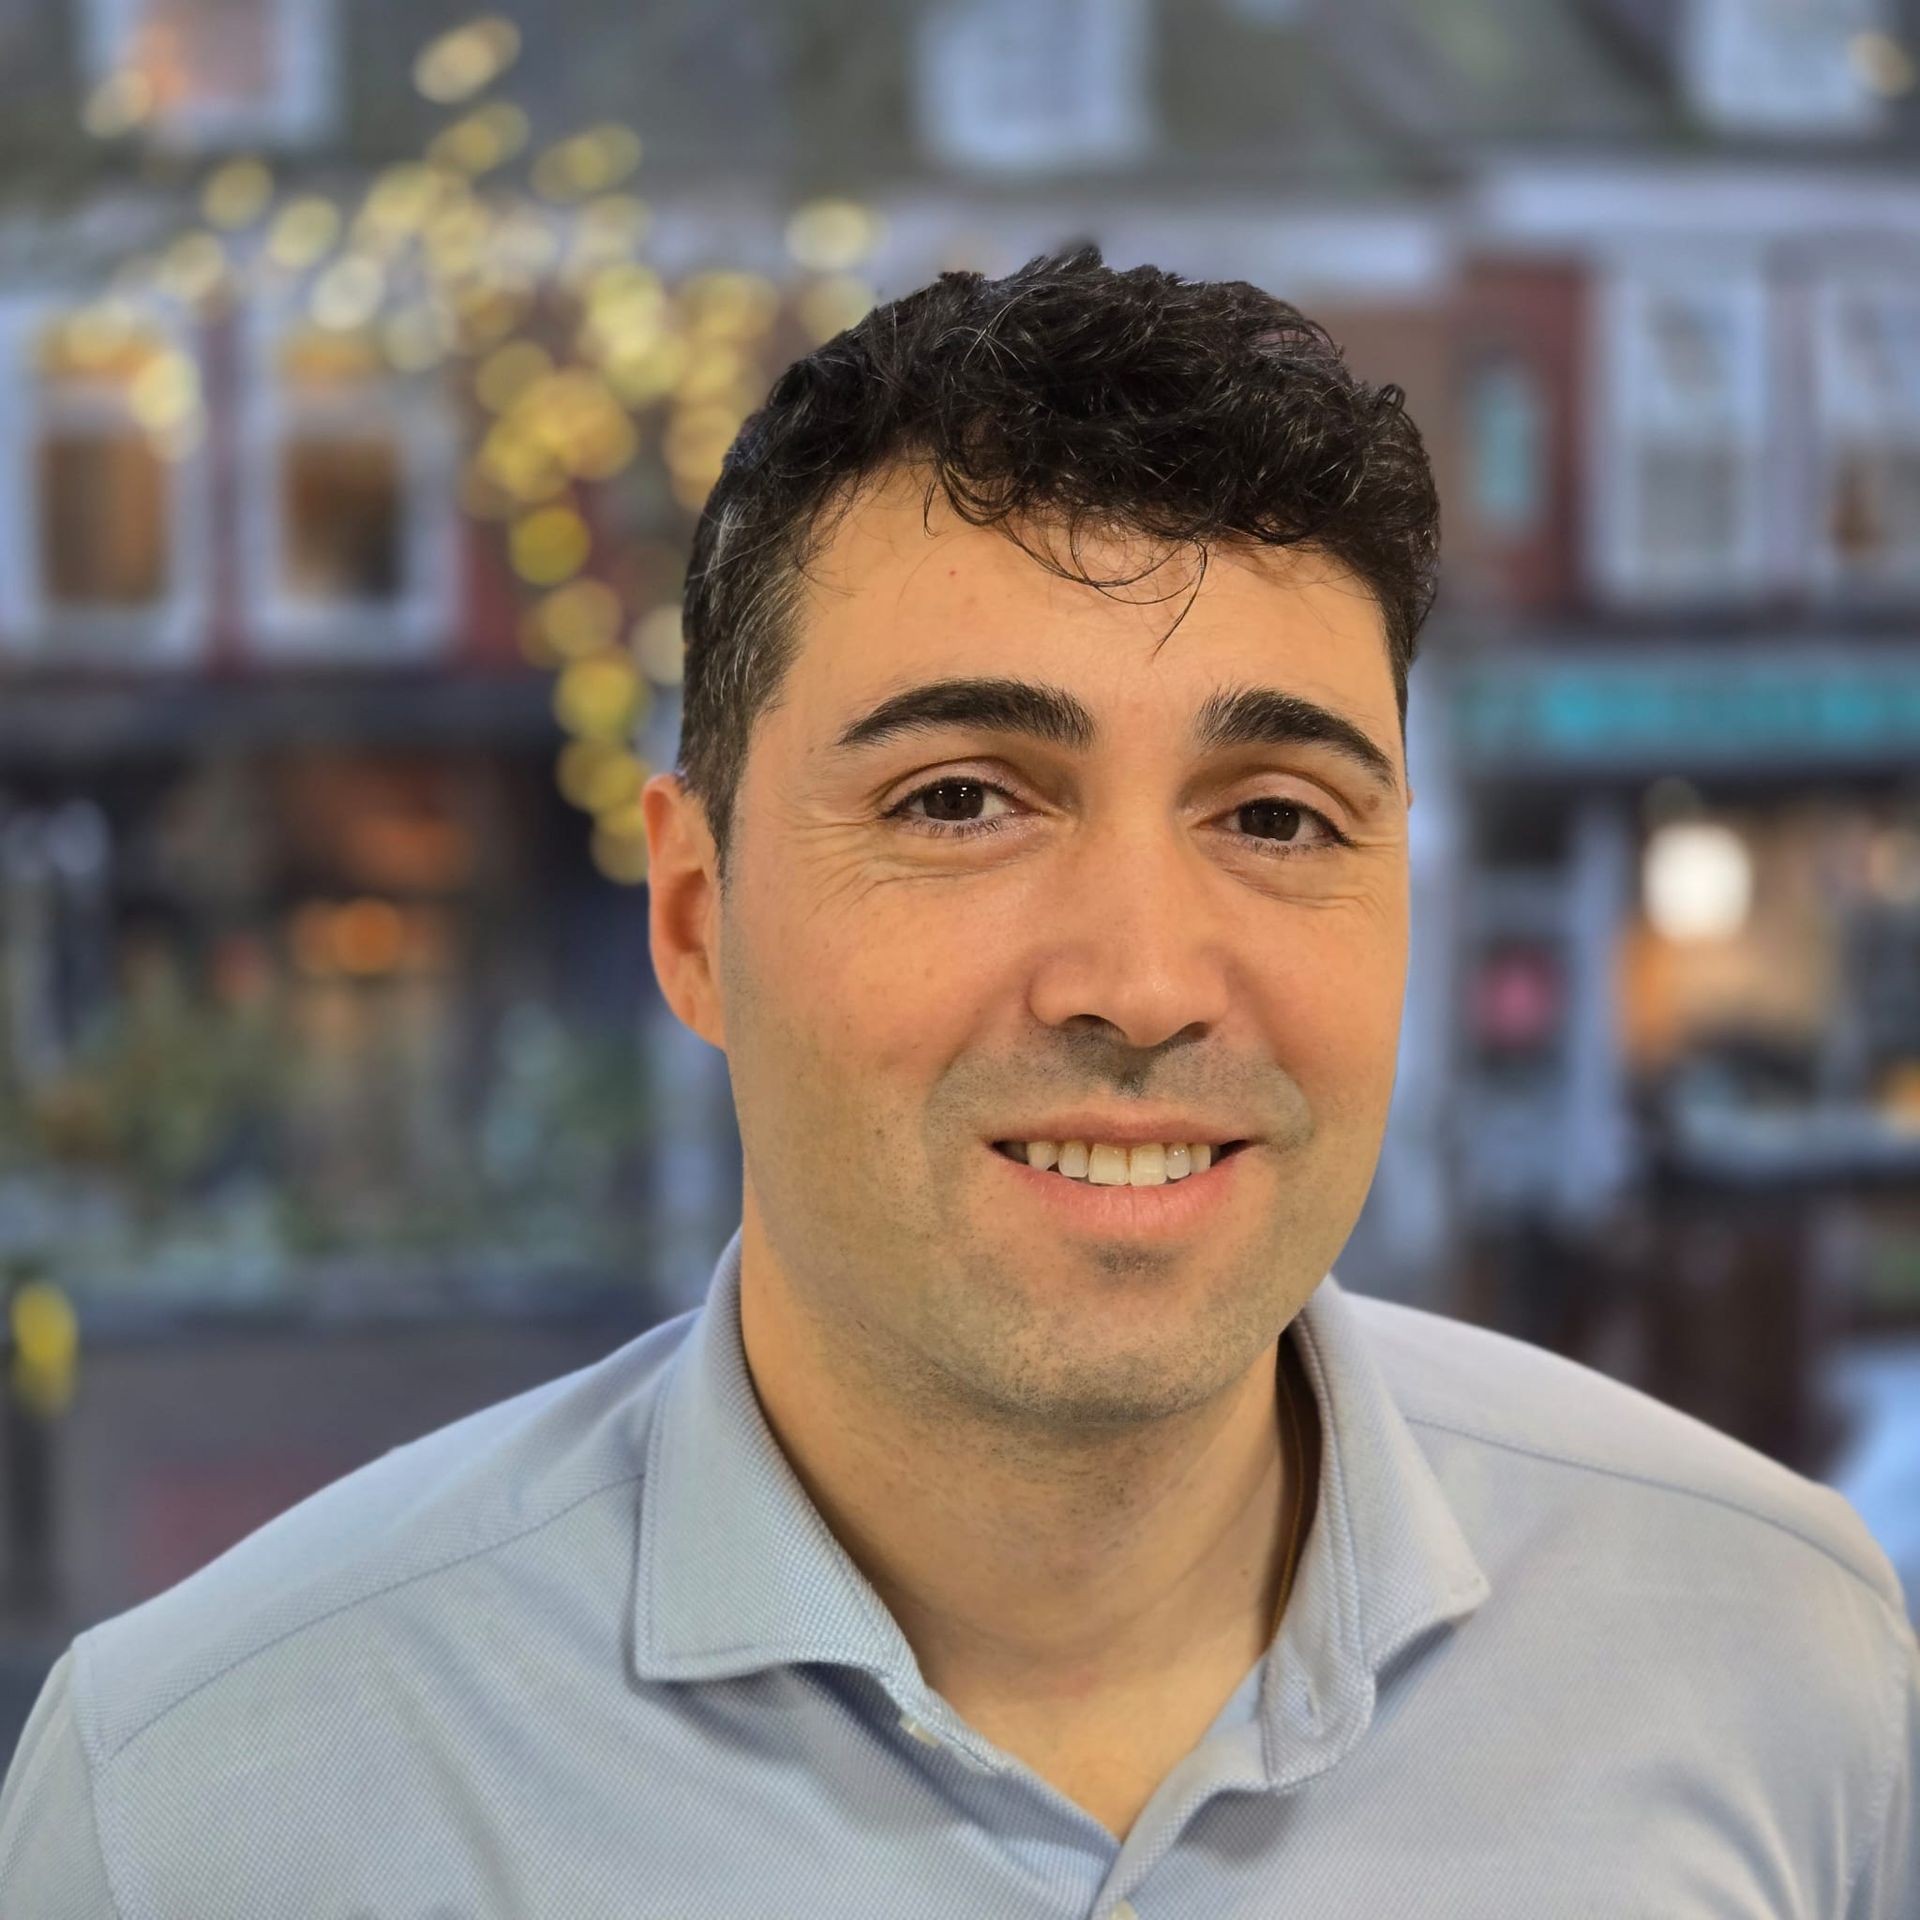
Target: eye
x=1277 y=825
x=953 y=808
x=957 y=808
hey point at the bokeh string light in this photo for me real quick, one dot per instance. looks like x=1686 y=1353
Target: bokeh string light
x=511 y=266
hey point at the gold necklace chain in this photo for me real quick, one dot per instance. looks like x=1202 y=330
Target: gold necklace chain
x=1298 y=1462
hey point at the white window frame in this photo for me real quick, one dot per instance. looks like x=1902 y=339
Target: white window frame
x=1627 y=419
x=302 y=111
x=973 y=60
x=176 y=630
x=1746 y=74
x=1849 y=412
x=419 y=624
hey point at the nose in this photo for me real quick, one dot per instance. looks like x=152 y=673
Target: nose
x=1130 y=935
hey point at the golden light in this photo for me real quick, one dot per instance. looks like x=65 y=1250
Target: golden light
x=417 y=338
x=46 y=1344
x=456 y=237
x=660 y=647
x=312 y=358
x=580 y=618
x=576 y=417
x=832 y=305
x=44 y=1325
x=302 y=231
x=508 y=371
x=597 y=776
x=192 y=268
x=458 y=64
x=535 y=647
x=626 y=309
x=1882 y=63
x=348 y=293
x=622 y=859
x=829 y=236
x=697 y=440
x=121 y=102
x=608 y=229
x=725 y=305
x=236 y=194
x=713 y=372
x=587 y=163
x=483 y=139
x=599 y=698
x=368 y=936
x=165 y=392
x=482 y=496
x=516 y=463
x=617 y=287
x=524 y=246
x=104 y=338
x=549 y=545
x=640 y=375
x=487 y=314
x=403 y=198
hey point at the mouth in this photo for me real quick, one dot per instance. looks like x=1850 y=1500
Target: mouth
x=1016 y=1151
x=1154 y=1195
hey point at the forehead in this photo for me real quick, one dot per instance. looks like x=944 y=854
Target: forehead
x=902 y=591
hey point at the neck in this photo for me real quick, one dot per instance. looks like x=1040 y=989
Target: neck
x=1071 y=1572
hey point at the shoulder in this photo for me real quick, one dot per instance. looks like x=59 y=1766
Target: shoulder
x=517 y=1472
x=1572 y=1434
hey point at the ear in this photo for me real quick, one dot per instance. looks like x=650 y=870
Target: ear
x=683 y=905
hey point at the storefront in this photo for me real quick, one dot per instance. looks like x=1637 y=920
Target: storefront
x=1689 y=970
x=314 y=988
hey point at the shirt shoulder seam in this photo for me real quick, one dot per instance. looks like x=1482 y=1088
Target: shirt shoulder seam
x=1651 y=1480
x=363 y=1599
x=76 y=1705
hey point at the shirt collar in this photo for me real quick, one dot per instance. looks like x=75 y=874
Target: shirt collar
x=738 y=1572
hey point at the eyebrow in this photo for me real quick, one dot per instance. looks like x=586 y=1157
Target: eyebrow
x=1234 y=717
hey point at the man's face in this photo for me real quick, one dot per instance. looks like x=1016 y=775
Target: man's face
x=1156 y=931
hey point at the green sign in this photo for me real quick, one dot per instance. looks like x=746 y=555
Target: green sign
x=1539 y=714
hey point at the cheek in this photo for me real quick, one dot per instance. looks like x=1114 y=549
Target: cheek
x=867 y=987
x=1332 y=1011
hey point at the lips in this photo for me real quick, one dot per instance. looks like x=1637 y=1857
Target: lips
x=1016 y=1150
x=1105 y=1194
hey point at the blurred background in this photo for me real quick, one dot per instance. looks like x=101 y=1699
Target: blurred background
x=362 y=369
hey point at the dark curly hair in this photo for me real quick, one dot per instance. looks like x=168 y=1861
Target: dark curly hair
x=1067 y=392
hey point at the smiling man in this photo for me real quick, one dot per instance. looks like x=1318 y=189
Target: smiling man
x=1028 y=1522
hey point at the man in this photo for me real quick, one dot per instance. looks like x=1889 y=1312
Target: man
x=1029 y=1522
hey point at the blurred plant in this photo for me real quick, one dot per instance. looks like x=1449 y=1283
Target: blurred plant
x=164 y=1089
x=175 y=1105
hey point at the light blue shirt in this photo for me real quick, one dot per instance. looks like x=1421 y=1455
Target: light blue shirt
x=1554 y=1650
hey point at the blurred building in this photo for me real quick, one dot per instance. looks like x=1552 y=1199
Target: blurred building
x=322 y=966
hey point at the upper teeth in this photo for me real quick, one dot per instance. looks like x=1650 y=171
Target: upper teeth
x=1102 y=1165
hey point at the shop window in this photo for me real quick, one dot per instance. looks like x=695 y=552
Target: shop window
x=102 y=486
x=199 y=73
x=1867 y=383
x=353 y=547
x=1684 y=429
x=1507 y=441
x=1788 y=66
x=342 y=508
x=1023 y=85
x=103 y=518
